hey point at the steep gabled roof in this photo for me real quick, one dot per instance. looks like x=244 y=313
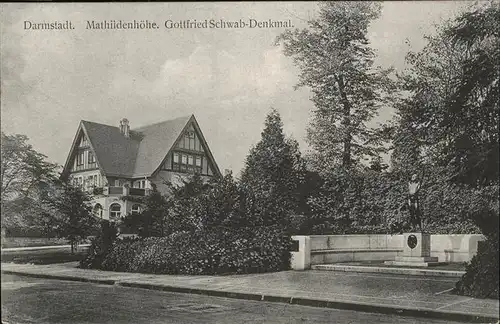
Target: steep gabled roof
x=115 y=153
x=157 y=140
x=139 y=155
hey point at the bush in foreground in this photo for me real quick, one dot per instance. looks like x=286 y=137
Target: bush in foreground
x=481 y=274
x=481 y=278
x=213 y=250
x=100 y=246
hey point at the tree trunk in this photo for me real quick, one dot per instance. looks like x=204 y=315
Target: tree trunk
x=346 y=122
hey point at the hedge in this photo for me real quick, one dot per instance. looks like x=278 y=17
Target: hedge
x=214 y=250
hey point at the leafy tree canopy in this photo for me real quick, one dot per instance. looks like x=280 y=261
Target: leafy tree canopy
x=24 y=170
x=336 y=62
x=450 y=117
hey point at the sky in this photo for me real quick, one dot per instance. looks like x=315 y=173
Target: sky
x=229 y=79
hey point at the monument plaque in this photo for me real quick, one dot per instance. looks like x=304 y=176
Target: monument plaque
x=412 y=241
x=416 y=251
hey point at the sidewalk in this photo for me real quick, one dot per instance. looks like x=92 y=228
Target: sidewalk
x=380 y=293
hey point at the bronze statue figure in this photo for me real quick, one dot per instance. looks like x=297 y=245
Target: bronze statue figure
x=413 y=203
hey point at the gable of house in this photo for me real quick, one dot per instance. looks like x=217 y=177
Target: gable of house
x=190 y=153
x=143 y=151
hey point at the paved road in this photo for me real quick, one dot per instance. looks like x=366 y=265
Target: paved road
x=30 y=300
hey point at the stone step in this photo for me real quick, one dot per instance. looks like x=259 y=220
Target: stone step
x=415 y=259
x=388 y=270
x=413 y=264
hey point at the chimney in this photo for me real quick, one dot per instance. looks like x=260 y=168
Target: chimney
x=124 y=127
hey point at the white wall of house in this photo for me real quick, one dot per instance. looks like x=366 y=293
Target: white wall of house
x=87 y=179
x=107 y=204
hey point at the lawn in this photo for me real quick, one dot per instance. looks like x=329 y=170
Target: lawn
x=43 y=256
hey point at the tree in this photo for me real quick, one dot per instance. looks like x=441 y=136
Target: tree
x=26 y=177
x=221 y=203
x=448 y=125
x=450 y=117
x=272 y=176
x=184 y=206
x=24 y=170
x=336 y=62
x=200 y=204
x=151 y=222
x=70 y=214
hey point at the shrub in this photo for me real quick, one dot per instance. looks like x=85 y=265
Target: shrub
x=214 y=250
x=99 y=246
x=481 y=274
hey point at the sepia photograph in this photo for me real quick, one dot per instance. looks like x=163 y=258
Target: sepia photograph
x=250 y=162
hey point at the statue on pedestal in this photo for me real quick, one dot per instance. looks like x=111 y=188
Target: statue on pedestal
x=413 y=203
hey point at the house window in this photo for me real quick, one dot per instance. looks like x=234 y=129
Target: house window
x=118 y=183
x=136 y=209
x=92 y=180
x=187 y=163
x=87 y=182
x=79 y=158
x=198 y=145
x=98 y=210
x=115 y=211
x=83 y=142
x=91 y=158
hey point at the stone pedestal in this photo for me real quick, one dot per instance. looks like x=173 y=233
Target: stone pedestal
x=301 y=253
x=416 y=251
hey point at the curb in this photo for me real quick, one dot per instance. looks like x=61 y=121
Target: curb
x=56 y=277
x=197 y=291
x=344 y=305
x=400 y=271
